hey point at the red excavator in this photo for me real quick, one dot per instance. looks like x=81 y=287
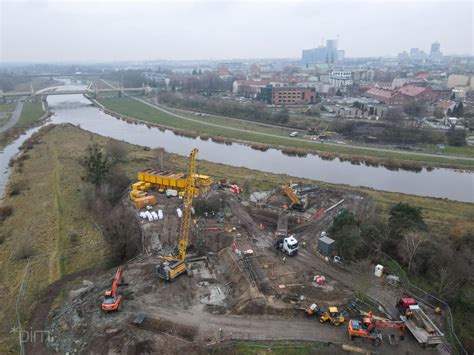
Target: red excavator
x=367 y=328
x=112 y=301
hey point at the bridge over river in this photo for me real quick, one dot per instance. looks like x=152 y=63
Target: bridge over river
x=92 y=90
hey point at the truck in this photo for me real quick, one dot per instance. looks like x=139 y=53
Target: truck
x=419 y=324
x=282 y=225
x=288 y=246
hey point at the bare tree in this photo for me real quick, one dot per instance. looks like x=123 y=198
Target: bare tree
x=361 y=277
x=116 y=150
x=445 y=281
x=409 y=245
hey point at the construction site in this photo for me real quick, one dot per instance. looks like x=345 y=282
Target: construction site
x=219 y=266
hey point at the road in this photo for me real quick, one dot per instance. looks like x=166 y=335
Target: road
x=165 y=110
x=14 y=118
x=385 y=150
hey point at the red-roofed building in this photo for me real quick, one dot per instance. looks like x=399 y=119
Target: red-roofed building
x=416 y=92
x=224 y=73
x=422 y=76
x=445 y=106
x=402 y=95
x=390 y=97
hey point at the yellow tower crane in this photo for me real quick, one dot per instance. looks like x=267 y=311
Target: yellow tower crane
x=172 y=267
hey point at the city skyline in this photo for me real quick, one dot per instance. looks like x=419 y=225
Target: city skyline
x=115 y=31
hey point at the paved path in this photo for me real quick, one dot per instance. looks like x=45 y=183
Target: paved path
x=165 y=110
x=14 y=119
x=358 y=147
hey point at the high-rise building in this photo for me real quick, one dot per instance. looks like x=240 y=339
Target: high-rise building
x=435 y=52
x=328 y=54
x=417 y=54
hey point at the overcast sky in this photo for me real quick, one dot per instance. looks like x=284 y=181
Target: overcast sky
x=114 y=30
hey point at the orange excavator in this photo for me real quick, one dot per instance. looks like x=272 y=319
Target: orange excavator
x=367 y=328
x=112 y=301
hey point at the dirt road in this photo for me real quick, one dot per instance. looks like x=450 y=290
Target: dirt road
x=264 y=327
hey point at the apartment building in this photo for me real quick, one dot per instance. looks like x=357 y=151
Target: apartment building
x=293 y=95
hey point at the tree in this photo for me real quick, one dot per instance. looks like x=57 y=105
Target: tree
x=456 y=137
x=281 y=116
x=413 y=108
x=404 y=217
x=438 y=113
x=122 y=232
x=338 y=92
x=395 y=116
x=445 y=282
x=116 y=150
x=96 y=163
x=458 y=110
x=409 y=246
x=345 y=232
x=247 y=187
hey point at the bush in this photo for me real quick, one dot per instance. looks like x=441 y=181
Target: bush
x=73 y=235
x=113 y=188
x=456 y=138
x=116 y=150
x=96 y=164
x=122 y=232
x=23 y=248
x=5 y=211
x=15 y=187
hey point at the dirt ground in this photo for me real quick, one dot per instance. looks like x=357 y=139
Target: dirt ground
x=228 y=294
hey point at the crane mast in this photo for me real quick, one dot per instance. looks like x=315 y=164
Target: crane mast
x=188 y=201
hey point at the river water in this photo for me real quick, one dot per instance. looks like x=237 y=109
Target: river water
x=77 y=110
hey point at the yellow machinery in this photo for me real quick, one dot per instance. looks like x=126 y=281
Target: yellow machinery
x=172 y=267
x=333 y=315
x=163 y=180
x=134 y=194
x=296 y=203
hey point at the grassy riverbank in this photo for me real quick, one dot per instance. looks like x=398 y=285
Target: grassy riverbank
x=31 y=115
x=48 y=219
x=264 y=135
x=5 y=113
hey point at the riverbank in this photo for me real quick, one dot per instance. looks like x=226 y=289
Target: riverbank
x=46 y=207
x=135 y=109
x=33 y=114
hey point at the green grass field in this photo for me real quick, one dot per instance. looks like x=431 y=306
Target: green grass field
x=31 y=113
x=135 y=109
x=7 y=107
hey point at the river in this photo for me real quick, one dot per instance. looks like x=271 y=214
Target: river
x=76 y=109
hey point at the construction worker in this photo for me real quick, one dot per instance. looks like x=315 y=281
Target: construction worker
x=304 y=244
x=284 y=259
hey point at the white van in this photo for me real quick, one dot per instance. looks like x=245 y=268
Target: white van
x=293 y=134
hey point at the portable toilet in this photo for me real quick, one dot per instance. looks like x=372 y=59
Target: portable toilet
x=326 y=245
x=378 y=270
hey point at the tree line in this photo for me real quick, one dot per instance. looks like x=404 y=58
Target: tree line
x=225 y=107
